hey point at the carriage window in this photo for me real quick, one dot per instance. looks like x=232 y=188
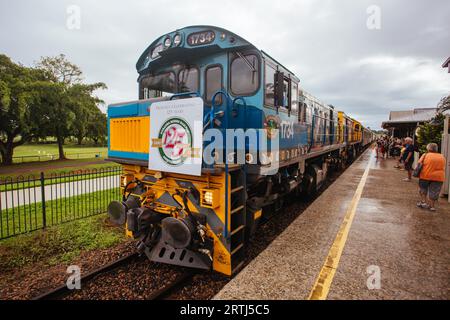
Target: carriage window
x=244 y=74
x=158 y=85
x=213 y=83
x=294 y=94
x=188 y=80
x=269 y=85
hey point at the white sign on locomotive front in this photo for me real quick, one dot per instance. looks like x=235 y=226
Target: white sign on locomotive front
x=176 y=136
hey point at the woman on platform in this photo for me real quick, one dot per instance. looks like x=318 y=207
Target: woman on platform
x=431 y=177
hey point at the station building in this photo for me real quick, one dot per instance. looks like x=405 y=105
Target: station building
x=447 y=64
x=405 y=123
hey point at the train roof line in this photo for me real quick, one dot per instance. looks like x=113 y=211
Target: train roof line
x=277 y=62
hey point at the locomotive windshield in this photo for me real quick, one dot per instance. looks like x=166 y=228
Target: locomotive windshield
x=158 y=85
x=188 y=80
x=181 y=79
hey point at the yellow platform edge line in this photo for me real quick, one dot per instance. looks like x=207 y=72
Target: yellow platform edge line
x=323 y=282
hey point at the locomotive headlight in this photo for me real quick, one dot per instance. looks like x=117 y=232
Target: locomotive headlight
x=167 y=42
x=177 y=39
x=209 y=198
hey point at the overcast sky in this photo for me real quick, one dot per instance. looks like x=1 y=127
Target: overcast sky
x=363 y=71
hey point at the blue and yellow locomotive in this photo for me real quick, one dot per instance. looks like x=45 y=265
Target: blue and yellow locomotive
x=198 y=85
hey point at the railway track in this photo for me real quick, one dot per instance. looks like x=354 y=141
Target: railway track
x=64 y=291
x=172 y=286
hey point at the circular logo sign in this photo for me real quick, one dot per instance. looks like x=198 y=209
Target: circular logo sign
x=271 y=124
x=176 y=141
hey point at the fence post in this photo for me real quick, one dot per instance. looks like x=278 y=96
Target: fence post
x=44 y=215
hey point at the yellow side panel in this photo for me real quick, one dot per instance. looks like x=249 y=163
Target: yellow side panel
x=130 y=134
x=356 y=130
x=341 y=124
x=221 y=258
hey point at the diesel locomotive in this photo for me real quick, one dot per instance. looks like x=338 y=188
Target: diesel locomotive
x=197 y=86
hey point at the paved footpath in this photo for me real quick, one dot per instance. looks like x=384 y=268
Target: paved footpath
x=363 y=238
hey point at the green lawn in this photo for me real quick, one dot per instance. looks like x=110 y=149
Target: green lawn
x=59 y=244
x=45 y=152
x=52 y=167
x=29 y=217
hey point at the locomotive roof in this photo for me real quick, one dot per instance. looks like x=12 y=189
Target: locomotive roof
x=183 y=50
x=230 y=41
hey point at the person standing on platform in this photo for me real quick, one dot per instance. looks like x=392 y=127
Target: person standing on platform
x=431 y=178
x=408 y=157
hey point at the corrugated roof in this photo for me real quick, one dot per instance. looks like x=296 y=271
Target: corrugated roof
x=414 y=116
x=395 y=115
x=446 y=63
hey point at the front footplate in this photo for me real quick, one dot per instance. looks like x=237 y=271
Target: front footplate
x=164 y=253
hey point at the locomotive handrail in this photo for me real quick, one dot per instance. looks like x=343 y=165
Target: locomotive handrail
x=213 y=105
x=177 y=95
x=312 y=132
x=245 y=106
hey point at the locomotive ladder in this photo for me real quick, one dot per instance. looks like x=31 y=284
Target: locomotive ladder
x=238 y=197
x=235 y=181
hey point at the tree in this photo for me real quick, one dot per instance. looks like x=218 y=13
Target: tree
x=55 y=116
x=66 y=101
x=59 y=70
x=17 y=98
x=97 y=129
x=431 y=132
x=444 y=104
x=84 y=105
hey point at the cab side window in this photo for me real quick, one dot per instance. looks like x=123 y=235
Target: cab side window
x=269 y=85
x=244 y=74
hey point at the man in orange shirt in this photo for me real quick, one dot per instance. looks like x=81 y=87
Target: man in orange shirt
x=431 y=177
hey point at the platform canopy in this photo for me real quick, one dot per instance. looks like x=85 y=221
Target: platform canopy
x=404 y=123
x=447 y=64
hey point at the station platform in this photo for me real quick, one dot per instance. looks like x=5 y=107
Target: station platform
x=363 y=238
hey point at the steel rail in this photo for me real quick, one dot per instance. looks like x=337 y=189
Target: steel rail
x=62 y=291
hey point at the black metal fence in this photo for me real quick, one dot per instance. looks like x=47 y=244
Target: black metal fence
x=31 y=203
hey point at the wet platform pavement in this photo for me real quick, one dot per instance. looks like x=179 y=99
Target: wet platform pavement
x=393 y=250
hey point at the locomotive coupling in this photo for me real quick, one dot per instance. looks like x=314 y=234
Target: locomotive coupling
x=143 y=220
x=117 y=210
x=177 y=232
